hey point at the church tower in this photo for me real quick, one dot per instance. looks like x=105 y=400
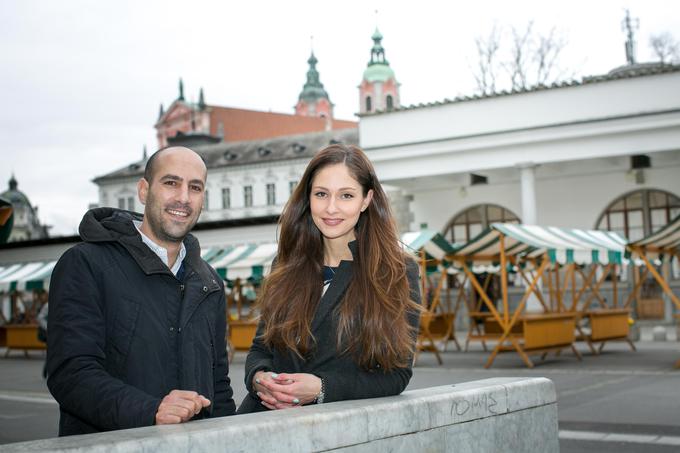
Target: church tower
x=379 y=89
x=313 y=100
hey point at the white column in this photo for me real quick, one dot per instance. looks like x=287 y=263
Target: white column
x=528 y=182
x=528 y=186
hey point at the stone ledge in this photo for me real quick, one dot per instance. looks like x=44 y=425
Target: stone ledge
x=486 y=415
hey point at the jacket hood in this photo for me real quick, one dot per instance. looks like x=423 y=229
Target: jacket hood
x=107 y=224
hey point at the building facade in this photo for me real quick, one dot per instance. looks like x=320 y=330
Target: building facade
x=600 y=153
x=249 y=179
x=313 y=113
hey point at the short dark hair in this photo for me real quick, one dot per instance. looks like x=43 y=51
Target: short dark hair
x=150 y=168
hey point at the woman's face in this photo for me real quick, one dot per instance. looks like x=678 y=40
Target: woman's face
x=336 y=201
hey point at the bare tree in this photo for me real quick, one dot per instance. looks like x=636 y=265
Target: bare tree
x=665 y=47
x=517 y=64
x=546 y=57
x=486 y=71
x=530 y=59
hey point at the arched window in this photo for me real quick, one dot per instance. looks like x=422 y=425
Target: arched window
x=389 y=102
x=468 y=223
x=368 y=103
x=640 y=213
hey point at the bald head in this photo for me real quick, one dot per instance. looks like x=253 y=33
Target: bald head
x=173 y=154
x=172 y=192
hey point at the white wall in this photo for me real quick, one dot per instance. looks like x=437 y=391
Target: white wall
x=577 y=201
x=437 y=206
x=567 y=195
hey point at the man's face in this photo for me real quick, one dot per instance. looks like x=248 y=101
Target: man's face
x=174 y=197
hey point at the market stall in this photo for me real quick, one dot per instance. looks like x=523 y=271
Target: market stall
x=23 y=291
x=540 y=255
x=660 y=247
x=437 y=322
x=243 y=268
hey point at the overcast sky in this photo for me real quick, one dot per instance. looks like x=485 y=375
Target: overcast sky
x=81 y=81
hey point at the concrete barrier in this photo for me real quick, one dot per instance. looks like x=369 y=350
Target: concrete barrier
x=491 y=415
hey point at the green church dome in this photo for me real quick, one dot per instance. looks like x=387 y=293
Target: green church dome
x=378 y=72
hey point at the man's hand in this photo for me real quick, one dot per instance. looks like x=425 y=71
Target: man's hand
x=180 y=406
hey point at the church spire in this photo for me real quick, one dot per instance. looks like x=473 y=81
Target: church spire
x=377 y=51
x=161 y=112
x=13 y=184
x=201 y=100
x=181 y=90
x=379 y=89
x=313 y=88
x=313 y=99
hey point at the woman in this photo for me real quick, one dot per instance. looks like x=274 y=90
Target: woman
x=339 y=311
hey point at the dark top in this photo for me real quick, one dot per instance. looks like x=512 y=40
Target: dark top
x=343 y=378
x=124 y=331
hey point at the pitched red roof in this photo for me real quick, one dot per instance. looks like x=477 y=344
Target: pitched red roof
x=241 y=124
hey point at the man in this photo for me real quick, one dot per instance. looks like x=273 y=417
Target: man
x=137 y=318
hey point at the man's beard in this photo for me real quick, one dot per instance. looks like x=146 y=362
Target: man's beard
x=163 y=228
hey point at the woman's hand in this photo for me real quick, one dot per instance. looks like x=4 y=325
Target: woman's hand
x=267 y=399
x=284 y=390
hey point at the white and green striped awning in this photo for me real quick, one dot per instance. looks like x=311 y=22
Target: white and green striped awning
x=26 y=277
x=434 y=244
x=244 y=261
x=667 y=239
x=563 y=245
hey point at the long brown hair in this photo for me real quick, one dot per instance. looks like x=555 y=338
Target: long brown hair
x=372 y=318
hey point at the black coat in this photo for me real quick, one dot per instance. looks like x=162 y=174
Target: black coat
x=124 y=331
x=343 y=378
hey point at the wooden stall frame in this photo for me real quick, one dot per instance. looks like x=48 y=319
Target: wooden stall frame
x=507 y=323
x=642 y=253
x=659 y=279
x=433 y=326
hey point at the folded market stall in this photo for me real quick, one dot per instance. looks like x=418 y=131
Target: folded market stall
x=660 y=246
x=664 y=245
x=437 y=322
x=536 y=253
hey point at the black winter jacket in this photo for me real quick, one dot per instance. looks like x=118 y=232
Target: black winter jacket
x=124 y=331
x=343 y=378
